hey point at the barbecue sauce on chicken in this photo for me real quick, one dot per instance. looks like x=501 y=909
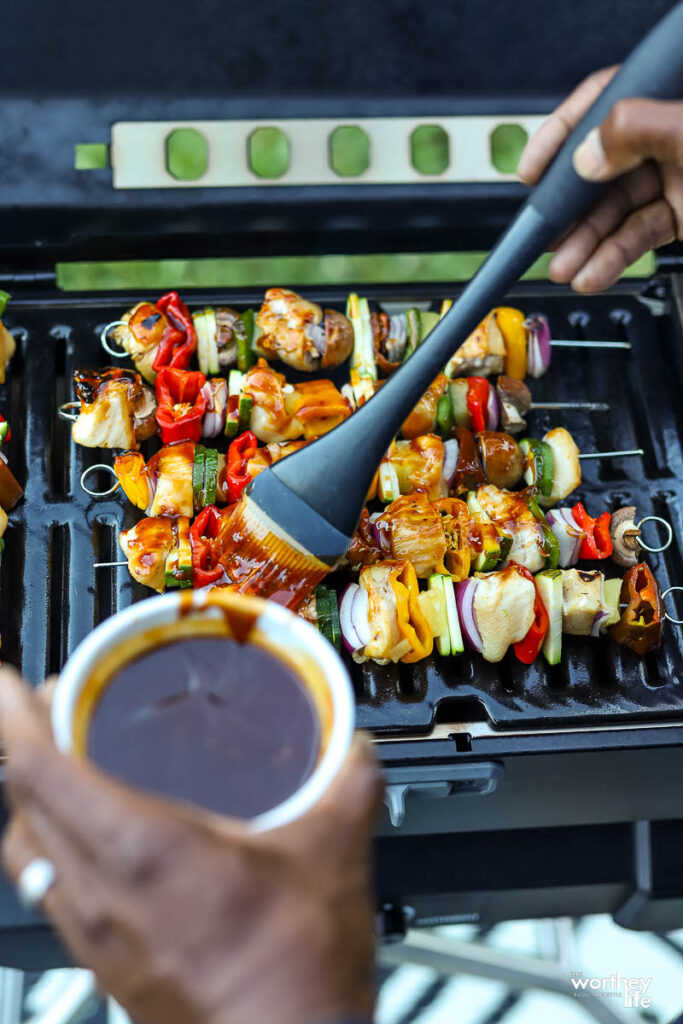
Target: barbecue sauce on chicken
x=208 y=720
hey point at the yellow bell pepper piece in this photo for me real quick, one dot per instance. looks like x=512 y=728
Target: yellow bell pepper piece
x=511 y=324
x=411 y=619
x=131 y=472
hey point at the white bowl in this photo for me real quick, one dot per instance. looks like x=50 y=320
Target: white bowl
x=281 y=628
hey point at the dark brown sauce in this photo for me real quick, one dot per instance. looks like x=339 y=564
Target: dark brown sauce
x=210 y=721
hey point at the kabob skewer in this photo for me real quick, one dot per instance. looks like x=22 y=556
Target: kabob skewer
x=509 y=536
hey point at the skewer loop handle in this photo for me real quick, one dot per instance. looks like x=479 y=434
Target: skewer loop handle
x=665 y=593
x=99 y=494
x=64 y=413
x=116 y=353
x=665 y=524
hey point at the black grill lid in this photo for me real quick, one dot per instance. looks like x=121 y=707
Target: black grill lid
x=66 y=80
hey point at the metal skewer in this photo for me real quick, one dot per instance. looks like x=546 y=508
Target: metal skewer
x=612 y=455
x=568 y=343
x=590 y=406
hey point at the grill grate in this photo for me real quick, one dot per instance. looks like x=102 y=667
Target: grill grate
x=51 y=597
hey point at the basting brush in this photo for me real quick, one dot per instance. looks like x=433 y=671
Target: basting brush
x=303 y=511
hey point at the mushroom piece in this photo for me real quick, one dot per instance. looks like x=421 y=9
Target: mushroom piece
x=625 y=534
x=338 y=338
x=515 y=402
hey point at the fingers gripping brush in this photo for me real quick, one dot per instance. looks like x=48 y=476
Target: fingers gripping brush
x=302 y=512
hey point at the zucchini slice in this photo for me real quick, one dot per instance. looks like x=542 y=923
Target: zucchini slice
x=208 y=494
x=198 y=476
x=549 y=587
x=207 y=350
x=389 y=488
x=328 y=615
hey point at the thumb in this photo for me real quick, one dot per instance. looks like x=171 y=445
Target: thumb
x=635 y=130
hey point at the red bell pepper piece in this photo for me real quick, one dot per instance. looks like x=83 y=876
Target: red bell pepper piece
x=597 y=543
x=527 y=650
x=240 y=451
x=178 y=344
x=205 y=528
x=180 y=404
x=7 y=436
x=477 y=401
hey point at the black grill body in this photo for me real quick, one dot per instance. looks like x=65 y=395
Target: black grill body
x=542 y=791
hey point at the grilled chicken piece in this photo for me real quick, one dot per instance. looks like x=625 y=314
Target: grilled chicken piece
x=412 y=530
x=567 y=468
x=284 y=412
x=399 y=630
x=140 y=334
x=264 y=457
x=8 y=347
x=146 y=546
x=511 y=513
x=581 y=600
x=515 y=403
x=117 y=409
x=387 y=642
x=433 y=536
x=165 y=486
x=293 y=330
x=270 y=420
x=418 y=464
x=422 y=419
x=172 y=469
x=483 y=354
x=503 y=610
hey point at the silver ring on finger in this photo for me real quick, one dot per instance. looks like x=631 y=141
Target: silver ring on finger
x=35 y=881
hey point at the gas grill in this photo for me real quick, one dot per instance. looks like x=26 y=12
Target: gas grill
x=513 y=790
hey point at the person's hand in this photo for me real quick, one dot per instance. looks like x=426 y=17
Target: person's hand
x=641 y=139
x=185 y=917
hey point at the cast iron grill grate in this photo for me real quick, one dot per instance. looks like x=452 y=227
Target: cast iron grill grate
x=51 y=596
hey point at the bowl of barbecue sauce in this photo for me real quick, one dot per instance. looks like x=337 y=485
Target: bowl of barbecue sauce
x=227 y=702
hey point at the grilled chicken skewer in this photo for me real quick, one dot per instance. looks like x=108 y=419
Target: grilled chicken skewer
x=504 y=342
x=477 y=403
x=386 y=618
x=286 y=327
x=115 y=409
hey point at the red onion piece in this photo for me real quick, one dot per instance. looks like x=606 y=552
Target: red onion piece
x=538 y=344
x=492 y=409
x=568 y=516
x=217 y=408
x=534 y=363
x=451 y=451
x=599 y=616
x=380 y=533
x=360 y=611
x=352 y=641
x=567 y=541
x=464 y=599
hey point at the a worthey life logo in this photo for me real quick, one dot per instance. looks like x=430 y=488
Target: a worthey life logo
x=633 y=989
